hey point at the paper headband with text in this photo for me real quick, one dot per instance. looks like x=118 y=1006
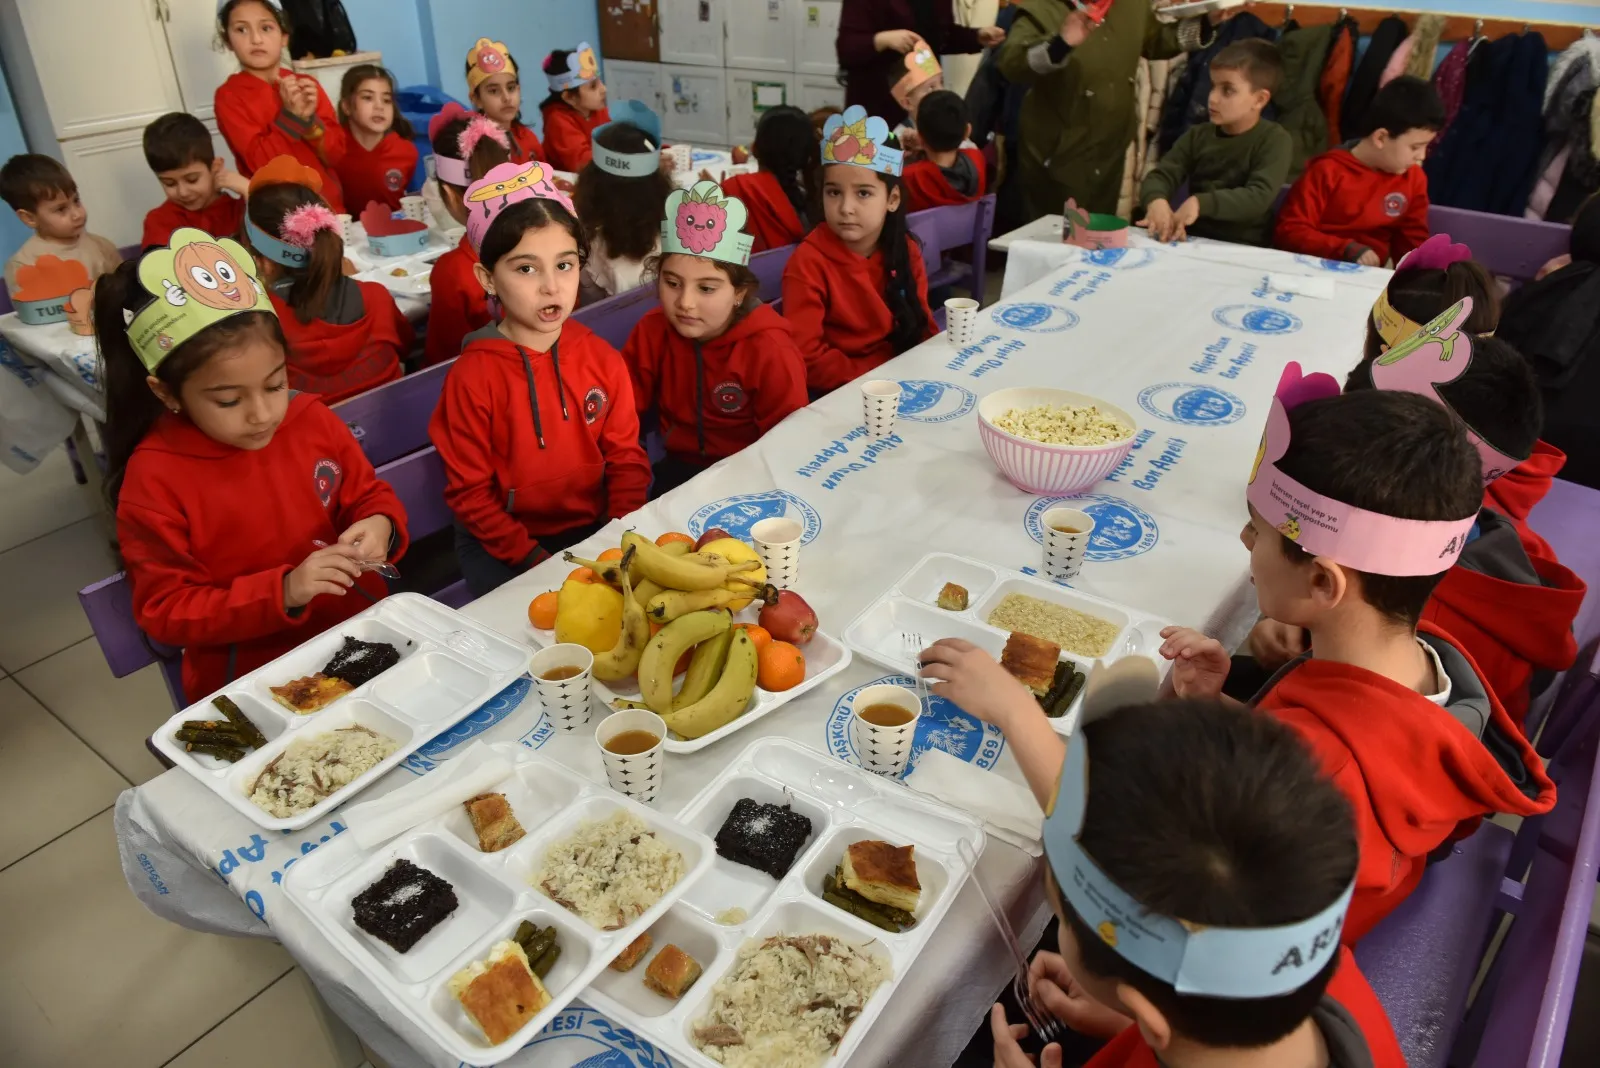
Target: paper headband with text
x=299 y=228
x=1222 y=962
x=503 y=186
x=582 y=67
x=454 y=170
x=630 y=164
x=1433 y=355
x=1436 y=253
x=704 y=221
x=922 y=67
x=485 y=59
x=860 y=140
x=196 y=281
x=1322 y=526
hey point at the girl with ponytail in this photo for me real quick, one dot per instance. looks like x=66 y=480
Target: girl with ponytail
x=466 y=146
x=785 y=196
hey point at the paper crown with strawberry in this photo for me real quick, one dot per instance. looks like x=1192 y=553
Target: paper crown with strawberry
x=504 y=186
x=582 y=66
x=704 y=221
x=921 y=67
x=860 y=140
x=194 y=282
x=485 y=59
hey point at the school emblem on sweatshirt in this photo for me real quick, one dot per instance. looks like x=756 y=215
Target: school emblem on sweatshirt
x=1120 y=529
x=1257 y=319
x=1191 y=404
x=944 y=726
x=594 y=404
x=394 y=179
x=1034 y=317
x=1394 y=205
x=729 y=397
x=925 y=400
x=326 y=476
x=738 y=514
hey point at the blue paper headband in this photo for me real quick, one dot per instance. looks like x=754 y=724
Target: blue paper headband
x=582 y=67
x=860 y=140
x=630 y=164
x=274 y=249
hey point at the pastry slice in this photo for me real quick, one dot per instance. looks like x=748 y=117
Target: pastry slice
x=494 y=821
x=883 y=873
x=310 y=694
x=501 y=992
x=1031 y=661
x=672 y=972
x=628 y=958
x=953 y=598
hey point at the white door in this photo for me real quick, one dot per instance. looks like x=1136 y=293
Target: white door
x=697 y=106
x=114 y=181
x=820 y=93
x=816 y=32
x=627 y=80
x=191 y=27
x=691 y=32
x=751 y=92
x=760 y=34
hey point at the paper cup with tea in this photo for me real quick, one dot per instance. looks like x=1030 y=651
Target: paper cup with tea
x=412 y=207
x=561 y=675
x=1066 y=538
x=883 y=724
x=880 y=403
x=961 y=320
x=778 y=545
x=630 y=744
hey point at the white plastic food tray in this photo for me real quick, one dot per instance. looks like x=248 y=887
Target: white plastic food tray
x=449 y=665
x=911 y=606
x=845 y=805
x=495 y=892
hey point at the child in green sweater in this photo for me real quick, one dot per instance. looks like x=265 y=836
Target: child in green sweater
x=1234 y=165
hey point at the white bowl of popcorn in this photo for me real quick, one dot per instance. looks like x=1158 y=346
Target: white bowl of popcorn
x=1053 y=441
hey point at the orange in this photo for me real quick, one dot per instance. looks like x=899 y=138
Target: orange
x=583 y=574
x=542 y=610
x=611 y=554
x=758 y=635
x=672 y=536
x=782 y=667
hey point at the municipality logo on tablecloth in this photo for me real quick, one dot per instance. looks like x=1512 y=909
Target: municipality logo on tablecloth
x=1034 y=317
x=1336 y=266
x=1191 y=404
x=944 y=726
x=583 y=1038
x=1257 y=319
x=925 y=400
x=1122 y=259
x=738 y=514
x=487 y=715
x=1120 y=529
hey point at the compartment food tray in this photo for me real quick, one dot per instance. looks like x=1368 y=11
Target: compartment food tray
x=911 y=606
x=494 y=894
x=449 y=665
x=845 y=805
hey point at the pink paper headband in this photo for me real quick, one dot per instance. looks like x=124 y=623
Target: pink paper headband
x=1438 y=252
x=503 y=186
x=1359 y=539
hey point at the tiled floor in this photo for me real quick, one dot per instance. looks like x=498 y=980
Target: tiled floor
x=87 y=976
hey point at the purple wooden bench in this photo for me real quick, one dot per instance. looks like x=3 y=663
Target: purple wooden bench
x=1508 y=245
x=952 y=227
x=418 y=480
x=391 y=420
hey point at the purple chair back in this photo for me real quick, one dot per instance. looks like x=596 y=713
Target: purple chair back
x=768 y=267
x=109 y=606
x=615 y=317
x=391 y=420
x=952 y=227
x=1506 y=244
x=419 y=480
x=1567 y=518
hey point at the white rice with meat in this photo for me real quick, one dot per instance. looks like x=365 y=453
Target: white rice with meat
x=1063 y=424
x=611 y=871
x=788 y=1002
x=312 y=769
x=1075 y=631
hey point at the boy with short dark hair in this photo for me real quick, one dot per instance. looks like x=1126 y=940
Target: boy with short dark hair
x=178 y=147
x=45 y=197
x=1367 y=201
x=1234 y=165
x=948 y=173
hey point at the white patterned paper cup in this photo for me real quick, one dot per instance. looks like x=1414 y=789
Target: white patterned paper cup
x=635 y=775
x=682 y=157
x=778 y=545
x=412 y=207
x=961 y=320
x=345 y=222
x=566 y=701
x=884 y=750
x=1066 y=538
x=880 y=403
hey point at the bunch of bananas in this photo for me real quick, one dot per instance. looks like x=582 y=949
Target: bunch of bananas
x=671 y=581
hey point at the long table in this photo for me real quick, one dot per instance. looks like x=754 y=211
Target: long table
x=1192 y=348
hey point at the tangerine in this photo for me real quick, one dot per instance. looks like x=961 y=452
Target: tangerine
x=782 y=667
x=671 y=536
x=611 y=554
x=542 y=610
x=583 y=574
x=759 y=636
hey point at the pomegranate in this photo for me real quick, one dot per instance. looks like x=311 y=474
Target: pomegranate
x=789 y=619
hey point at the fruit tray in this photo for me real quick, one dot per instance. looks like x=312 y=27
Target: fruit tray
x=449 y=665
x=910 y=607
x=494 y=893
x=845 y=805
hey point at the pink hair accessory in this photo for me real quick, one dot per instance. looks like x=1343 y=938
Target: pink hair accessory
x=1438 y=252
x=503 y=186
x=1322 y=526
x=447 y=114
x=301 y=226
x=479 y=127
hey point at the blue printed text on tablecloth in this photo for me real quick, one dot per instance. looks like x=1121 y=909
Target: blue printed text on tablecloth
x=998 y=359
x=831 y=461
x=1169 y=457
x=1216 y=353
x=1080 y=284
x=1129 y=460
x=970 y=352
x=1264 y=291
x=154 y=876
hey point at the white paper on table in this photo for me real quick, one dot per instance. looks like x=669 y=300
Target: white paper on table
x=1008 y=811
x=468 y=775
x=1302 y=285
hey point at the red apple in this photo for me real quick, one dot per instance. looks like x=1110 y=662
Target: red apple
x=741 y=155
x=790 y=619
x=714 y=534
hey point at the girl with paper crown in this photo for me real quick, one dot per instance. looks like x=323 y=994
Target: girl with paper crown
x=380 y=158
x=719 y=366
x=575 y=107
x=466 y=146
x=619 y=197
x=856 y=289
x=784 y=197
x=344 y=336
x=267 y=110
x=225 y=482
x=495 y=86
x=536 y=425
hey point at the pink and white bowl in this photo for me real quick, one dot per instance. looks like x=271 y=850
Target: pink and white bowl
x=1049 y=469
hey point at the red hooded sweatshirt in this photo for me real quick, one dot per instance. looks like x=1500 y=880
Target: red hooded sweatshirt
x=568 y=143
x=834 y=298
x=209 y=532
x=538 y=442
x=1512 y=613
x=380 y=175
x=773 y=222
x=1340 y=205
x=1415 y=772
x=927 y=186
x=357 y=350
x=460 y=306
x=525 y=145
x=1515 y=493
x=220 y=218
x=1355 y=1029
x=252 y=120
x=717 y=397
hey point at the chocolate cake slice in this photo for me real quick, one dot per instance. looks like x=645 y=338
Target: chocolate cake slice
x=764 y=837
x=359 y=662
x=403 y=905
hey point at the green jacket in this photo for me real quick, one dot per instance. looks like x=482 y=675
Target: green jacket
x=1078 y=118
x=1304 y=51
x=1235 y=179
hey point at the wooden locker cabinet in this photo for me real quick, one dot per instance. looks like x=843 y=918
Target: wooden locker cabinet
x=752 y=92
x=697 y=105
x=692 y=31
x=816 y=33
x=626 y=80
x=630 y=30
x=760 y=35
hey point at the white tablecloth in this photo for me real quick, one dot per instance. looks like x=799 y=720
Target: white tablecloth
x=1187 y=347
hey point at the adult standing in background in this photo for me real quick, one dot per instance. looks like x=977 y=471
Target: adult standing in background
x=875 y=35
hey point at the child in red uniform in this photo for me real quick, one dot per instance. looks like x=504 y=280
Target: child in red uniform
x=1367 y=202
x=223 y=481
x=344 y=336
x=178 y=147
x=266 y=111
x=466 y=146
x=381 y=159
x=536 y=425
x=856 y=289
x=619 y=197
x=575 y=107
x=949 y=174
x=496 y=88
x=784 y=197
x=720 y=366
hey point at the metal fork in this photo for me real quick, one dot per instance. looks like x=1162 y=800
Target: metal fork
x=387 y=570
x=1046 y=1026
x=911 y=646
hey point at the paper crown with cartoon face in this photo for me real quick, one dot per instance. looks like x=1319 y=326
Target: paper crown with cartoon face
x=921 y=67
x=860 y=140
x=503 y=186
x=1436 y=253
x=583 y=66
x=194 y=282
x=485 y=59
x=704 y=221
x=630 y=164
x=1220 y=962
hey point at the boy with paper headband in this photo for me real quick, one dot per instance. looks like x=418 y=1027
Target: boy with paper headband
x=495 y=87
x=575 y=108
